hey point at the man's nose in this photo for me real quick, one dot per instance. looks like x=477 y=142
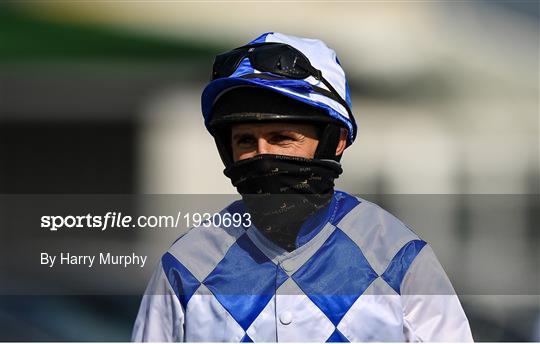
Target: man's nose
x=263 y=147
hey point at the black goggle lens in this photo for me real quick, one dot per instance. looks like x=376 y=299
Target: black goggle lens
x=225 y=64
x=278 y=59
x=281 y=60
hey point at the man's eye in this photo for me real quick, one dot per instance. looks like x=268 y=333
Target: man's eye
x=245 y=141
x=281 y=138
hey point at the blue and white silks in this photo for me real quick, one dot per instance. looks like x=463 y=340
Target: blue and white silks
x=358 y=275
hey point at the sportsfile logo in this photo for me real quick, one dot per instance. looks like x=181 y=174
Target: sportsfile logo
x=110 y=220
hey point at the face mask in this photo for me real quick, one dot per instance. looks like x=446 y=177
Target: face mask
x=281 y=192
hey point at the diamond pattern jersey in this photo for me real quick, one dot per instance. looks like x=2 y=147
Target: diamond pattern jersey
x=363 y=276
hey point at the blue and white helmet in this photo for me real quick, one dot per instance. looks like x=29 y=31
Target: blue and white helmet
x=310 y=90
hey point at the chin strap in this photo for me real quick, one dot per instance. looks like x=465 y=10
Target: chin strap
x=223 y=143
x=328 y=142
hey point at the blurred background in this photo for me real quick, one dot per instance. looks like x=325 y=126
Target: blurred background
x=104 y=98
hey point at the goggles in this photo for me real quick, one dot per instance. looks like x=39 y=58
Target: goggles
x=276 y=58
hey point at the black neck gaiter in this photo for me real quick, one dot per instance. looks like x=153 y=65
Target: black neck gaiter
x=281 y=192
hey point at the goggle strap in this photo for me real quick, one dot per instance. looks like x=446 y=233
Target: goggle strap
x=339 y=98
x=330 y=93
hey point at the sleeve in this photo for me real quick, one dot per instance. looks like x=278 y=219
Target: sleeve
x=432 y=311
x=160 y=317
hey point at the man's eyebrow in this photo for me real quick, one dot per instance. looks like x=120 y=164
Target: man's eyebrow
x=285 y=131
x=273 y=132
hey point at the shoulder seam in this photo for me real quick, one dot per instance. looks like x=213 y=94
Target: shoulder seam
x=392 y=215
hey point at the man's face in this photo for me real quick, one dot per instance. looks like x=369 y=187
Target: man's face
x=293 y=139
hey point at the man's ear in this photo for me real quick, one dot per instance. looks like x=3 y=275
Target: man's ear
x=342 y=144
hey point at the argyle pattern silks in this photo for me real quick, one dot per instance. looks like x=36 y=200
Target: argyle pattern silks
x=325 y=290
